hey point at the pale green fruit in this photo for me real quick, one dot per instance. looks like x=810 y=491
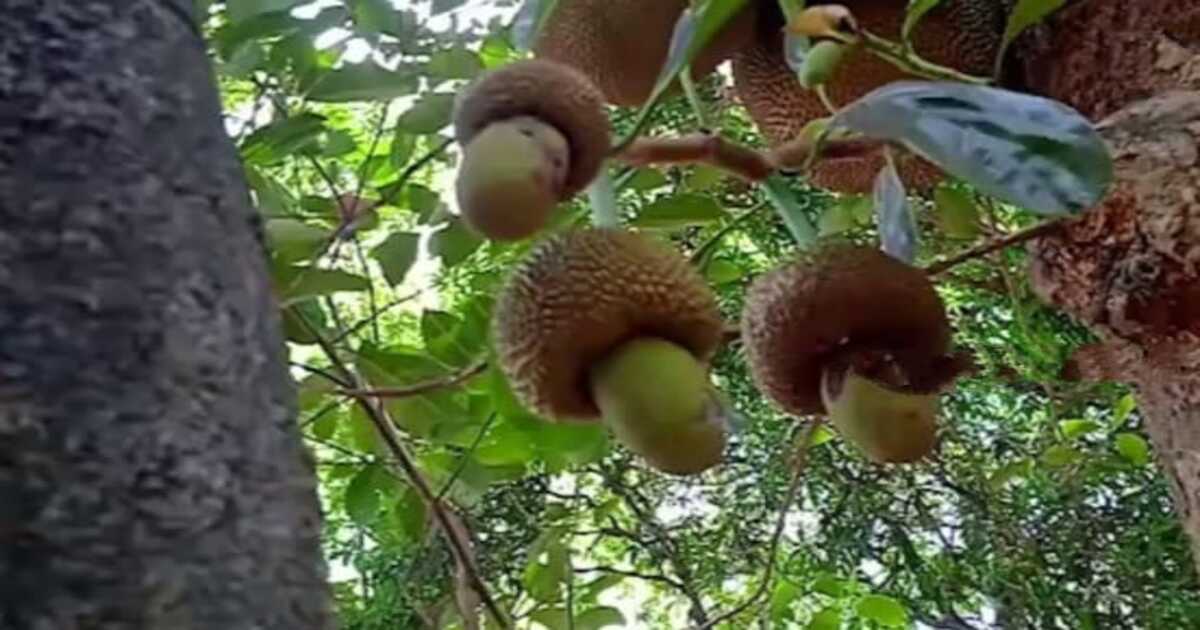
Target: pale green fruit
x=887 y=425
x=821 y=63
x=655 y=397
x=511 y=177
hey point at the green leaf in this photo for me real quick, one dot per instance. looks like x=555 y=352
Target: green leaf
x=1072 y=429
x=528 y=22
x=505 y=445
x=411 y=514
x=912 y=16
x=1025 y=14
x=837 y=218
x=243 y=9
x=293 y=240
x=282 y=138
x=829 y=585
x=897 y=228
x=956 y=213
x=545 y=578
x=704 y=178
x=429 y=114
x=297 y=283
x=790 y=210
x=646 y=179
x=1133 y=448
x=244 y=60
x=723 y=272
x=679 y=211
x=599 y=617
x=1123 y=408
x=1060 y=455
x=455 y=63
x=784 y=595
x=362 y=496
x=820 y=436
x=1023 y=149
x=296 y=316
x=377 y=16
x=1009 y=472
x=882 y=610
x=396 y=255
x=454 y=243
x=362 y=82
x=829 y=618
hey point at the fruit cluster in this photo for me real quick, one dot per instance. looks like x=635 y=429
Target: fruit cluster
x=604 y=324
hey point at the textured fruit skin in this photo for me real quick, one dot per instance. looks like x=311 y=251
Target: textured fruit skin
x=798 y=316
x=510 y=177
x=654 y=396
x=556 y=94
x=887 y=425
x=581 y=294
x=963 y=34
x=622 y=44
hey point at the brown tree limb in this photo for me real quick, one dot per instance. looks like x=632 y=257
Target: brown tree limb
x=699 y=148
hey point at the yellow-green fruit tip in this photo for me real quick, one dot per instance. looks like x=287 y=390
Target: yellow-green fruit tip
x=887 y=425
x=511 y=178
x=656 y=398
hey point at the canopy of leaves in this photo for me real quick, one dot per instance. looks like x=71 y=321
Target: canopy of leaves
x=1041 y=508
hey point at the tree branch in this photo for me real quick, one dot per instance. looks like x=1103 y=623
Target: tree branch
x=1045 y=228
x=450 y=380
x=649 y=577
x=792 y=492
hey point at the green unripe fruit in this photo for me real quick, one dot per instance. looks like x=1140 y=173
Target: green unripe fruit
x=511 y=178
x=655 y=397
x=821 y=62
x=887 y=425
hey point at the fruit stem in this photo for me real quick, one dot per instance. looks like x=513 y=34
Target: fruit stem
x=603 y=197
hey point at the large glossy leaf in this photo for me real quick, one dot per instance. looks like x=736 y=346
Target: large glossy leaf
x=1023 y=149
x=790 y=210
x=1133 y=448
x=278 y=140
x=294 y=240
x=396 y=255
x=530 y=19
x=897 y=229
x=828 y=619
x=599 y=617
x=454 y=63
x=454 y=243
x=362 y=82
x=428 y=115
x=883 y=610
x=296 y=283
x=679 y=211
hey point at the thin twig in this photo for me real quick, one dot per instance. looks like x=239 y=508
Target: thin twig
x=412 y=169
x=462 y=464
x=649 y=577
x=708 y=245
x=366 y=321
x=792 y=492
x=1034 y=231
x=378 y=415
x=450 y=380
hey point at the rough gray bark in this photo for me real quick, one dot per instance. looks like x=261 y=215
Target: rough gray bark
x=151 y=472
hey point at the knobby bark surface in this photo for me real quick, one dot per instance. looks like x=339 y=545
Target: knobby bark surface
x=1130 y=269
x=152 y=475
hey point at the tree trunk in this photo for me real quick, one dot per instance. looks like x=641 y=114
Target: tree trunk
x=152 y=475
x=1130 y=269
